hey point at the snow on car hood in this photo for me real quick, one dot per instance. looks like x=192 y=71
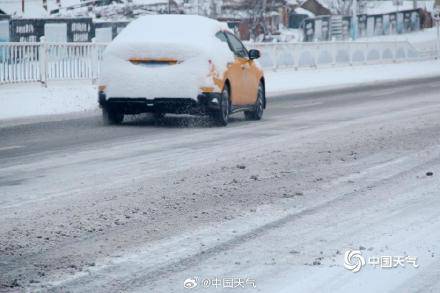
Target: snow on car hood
x=190 y=40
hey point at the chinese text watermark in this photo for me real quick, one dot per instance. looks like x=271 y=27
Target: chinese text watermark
x=355 y=261
x=220 y=283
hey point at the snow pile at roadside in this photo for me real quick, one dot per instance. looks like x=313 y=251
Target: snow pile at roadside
x=190 y=40
x=25 y=100
x=289 y=81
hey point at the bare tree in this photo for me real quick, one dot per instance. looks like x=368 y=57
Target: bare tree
x=345 y=7
x=257 y=11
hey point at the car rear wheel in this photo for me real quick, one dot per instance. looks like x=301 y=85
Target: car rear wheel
x=112 y=117
x=258 y=111
x=221 y=116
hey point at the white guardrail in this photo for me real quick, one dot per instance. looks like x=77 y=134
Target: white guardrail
x=42 y=62
x=322 y=54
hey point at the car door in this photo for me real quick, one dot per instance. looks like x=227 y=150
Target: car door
x=237 y=71
x=249 y=71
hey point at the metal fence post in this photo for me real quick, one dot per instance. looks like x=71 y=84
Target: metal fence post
x=366 y=54
x=275 y=58
x=94 y=61
x=350 y=53
x=297 y=53
x=43 y=61
x=315 y=52
x=437 y=24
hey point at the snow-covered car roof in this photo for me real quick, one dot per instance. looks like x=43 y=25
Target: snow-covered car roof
x=171 y=28
x=165 y=35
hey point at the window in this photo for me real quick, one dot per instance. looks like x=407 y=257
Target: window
x=237 y=46
x=221 y=36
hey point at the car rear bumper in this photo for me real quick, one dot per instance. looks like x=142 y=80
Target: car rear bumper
x=204 y=104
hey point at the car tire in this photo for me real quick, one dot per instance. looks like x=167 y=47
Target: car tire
x=221 y=116
x=112 y=117
x=258 y=111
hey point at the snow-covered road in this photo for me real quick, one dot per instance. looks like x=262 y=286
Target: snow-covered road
x=142 y=207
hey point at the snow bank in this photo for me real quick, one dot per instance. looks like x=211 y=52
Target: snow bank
x=26 y=100
x=290 y=81
x=188 y=39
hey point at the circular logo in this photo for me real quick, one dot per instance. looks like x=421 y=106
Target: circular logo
x=353 y=260
x=190 y=283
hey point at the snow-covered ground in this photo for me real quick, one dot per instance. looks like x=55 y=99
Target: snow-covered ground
x=142 y=207
x=26 y=100
x=288 y=81
x=377 y=7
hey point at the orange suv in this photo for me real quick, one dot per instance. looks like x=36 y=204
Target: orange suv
x=180 y=64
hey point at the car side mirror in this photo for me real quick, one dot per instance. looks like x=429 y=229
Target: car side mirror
x=254 y=54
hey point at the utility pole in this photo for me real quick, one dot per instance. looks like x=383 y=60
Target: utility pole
x=437 y=22
x=354 y=19
x=263 y=14
x=22 y=6
x=397 y=3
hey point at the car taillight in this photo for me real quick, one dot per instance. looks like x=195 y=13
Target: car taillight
x=154 y=62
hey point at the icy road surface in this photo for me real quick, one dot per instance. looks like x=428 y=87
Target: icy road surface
x=142 y=207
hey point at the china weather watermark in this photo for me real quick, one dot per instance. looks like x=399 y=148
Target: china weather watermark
x=354 y=261
x=220 y=283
